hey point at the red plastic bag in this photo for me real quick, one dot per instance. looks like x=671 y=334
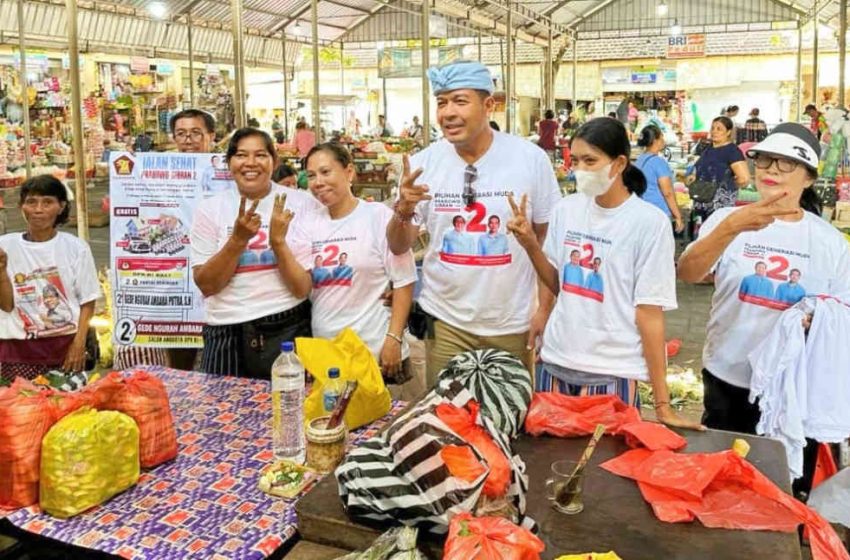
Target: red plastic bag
x=142 y=397
x=462 y=422
x=722 y=490
x=25 y=416
x=653 y=436
x=489 y=538
x=565 y=416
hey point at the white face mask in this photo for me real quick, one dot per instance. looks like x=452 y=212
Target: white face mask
x=594 y=183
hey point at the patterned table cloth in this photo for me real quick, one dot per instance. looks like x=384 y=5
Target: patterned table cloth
x=206 y=502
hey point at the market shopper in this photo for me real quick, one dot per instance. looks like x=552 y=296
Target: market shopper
x=783 y=229
x=474 y=301
x=547 y=130
x=817 y=124
x=659 y=176
x=722 y=165
x=352 y=265
x=606 y=331
x=754 y=130
x=239 y=258
x=48 y=287
x=304 y=138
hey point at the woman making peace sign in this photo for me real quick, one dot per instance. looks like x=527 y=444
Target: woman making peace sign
x=608 y=259
x=764 y=258
x=239 y=259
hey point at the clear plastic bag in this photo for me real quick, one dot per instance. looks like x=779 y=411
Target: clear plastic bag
x=399 y=543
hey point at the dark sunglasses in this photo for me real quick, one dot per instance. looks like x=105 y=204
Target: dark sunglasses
x=470 y=175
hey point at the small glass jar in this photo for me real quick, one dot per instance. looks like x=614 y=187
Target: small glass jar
x=325 y=448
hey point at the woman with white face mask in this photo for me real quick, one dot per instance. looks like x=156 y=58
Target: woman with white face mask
x=608 y=259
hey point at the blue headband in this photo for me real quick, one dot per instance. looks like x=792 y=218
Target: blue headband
x=460 y=75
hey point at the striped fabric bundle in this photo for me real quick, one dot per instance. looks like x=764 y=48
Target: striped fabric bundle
x=399 y=476
x=498 y=380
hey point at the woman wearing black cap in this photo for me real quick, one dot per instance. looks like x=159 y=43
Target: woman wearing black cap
x=763 y=258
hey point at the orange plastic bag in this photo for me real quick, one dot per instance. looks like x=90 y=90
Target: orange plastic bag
x=489 y=538
x=651 y=435
x=142 y=397
x=722 y=490
x=565 y=416
x=462 y=462
x=462 y=422
x=25 y=417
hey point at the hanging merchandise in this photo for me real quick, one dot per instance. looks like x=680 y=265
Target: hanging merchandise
x=838 y=121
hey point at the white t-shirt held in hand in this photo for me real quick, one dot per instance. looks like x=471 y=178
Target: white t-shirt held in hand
x=609 y=261
x=760 y=274
x=352 y=266
x=50 y=281
x=256 y=289
x=475 y=276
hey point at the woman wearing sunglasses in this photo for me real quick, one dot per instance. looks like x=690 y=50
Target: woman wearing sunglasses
x=763 y=258
x=608 y=259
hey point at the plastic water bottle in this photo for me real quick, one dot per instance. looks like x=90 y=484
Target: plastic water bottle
x=332 y=390
x=288 y=405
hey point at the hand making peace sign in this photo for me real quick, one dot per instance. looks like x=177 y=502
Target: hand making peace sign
x=519 y=224
x=761 y=214
x=281 y=219
x=247 y=222
x=409 y=193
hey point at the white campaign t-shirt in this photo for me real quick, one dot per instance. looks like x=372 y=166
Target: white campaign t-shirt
x=256 y=289
x=759 y=275
x=609 y=261
x=352 y=266
x=50 y=281
x=473 y=278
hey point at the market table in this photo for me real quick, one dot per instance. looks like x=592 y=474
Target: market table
x=206 y=502
x=615 y=517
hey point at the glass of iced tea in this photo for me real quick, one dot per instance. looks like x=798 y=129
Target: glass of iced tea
x=565 y=486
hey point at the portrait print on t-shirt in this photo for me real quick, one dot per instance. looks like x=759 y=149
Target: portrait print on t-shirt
x=258 y=255
x=477 y=235
x=42 y=304
x=330 y=263
x=776 y=279
x=582 y=274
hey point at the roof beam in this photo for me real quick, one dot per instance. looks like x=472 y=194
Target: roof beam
x=485 y=22
x=342 y=5
x=289 y=19
x=590 y=12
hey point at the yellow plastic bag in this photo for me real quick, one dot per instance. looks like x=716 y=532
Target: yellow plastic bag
x=591 y=556
x=86 y=458
x=347 y=352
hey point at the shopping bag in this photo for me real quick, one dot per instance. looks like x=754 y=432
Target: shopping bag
x=142 y=396
x=400 y=475
x=565 y=416
x=87 y=457
x=651 y=435
x=462 y=422
x=347 y=352
x=722 y=490
x=24 y=419
x=498 y=381
x=489 y=538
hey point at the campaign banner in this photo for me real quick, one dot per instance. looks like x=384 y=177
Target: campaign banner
x=153 y=197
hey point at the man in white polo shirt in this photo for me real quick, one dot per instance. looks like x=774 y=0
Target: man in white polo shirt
x=477 y=300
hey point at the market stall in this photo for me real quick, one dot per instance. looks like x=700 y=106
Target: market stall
x=207 y=499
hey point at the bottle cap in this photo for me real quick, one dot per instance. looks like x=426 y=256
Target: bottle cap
x=333 y=373
x=287 y=346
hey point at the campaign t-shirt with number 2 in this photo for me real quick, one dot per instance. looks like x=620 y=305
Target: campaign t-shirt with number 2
x=475 y=276
x=609 y=261
x=759 y=275
x=352 y=267
x=256 y=289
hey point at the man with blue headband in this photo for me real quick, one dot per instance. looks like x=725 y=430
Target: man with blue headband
x=483 y=298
